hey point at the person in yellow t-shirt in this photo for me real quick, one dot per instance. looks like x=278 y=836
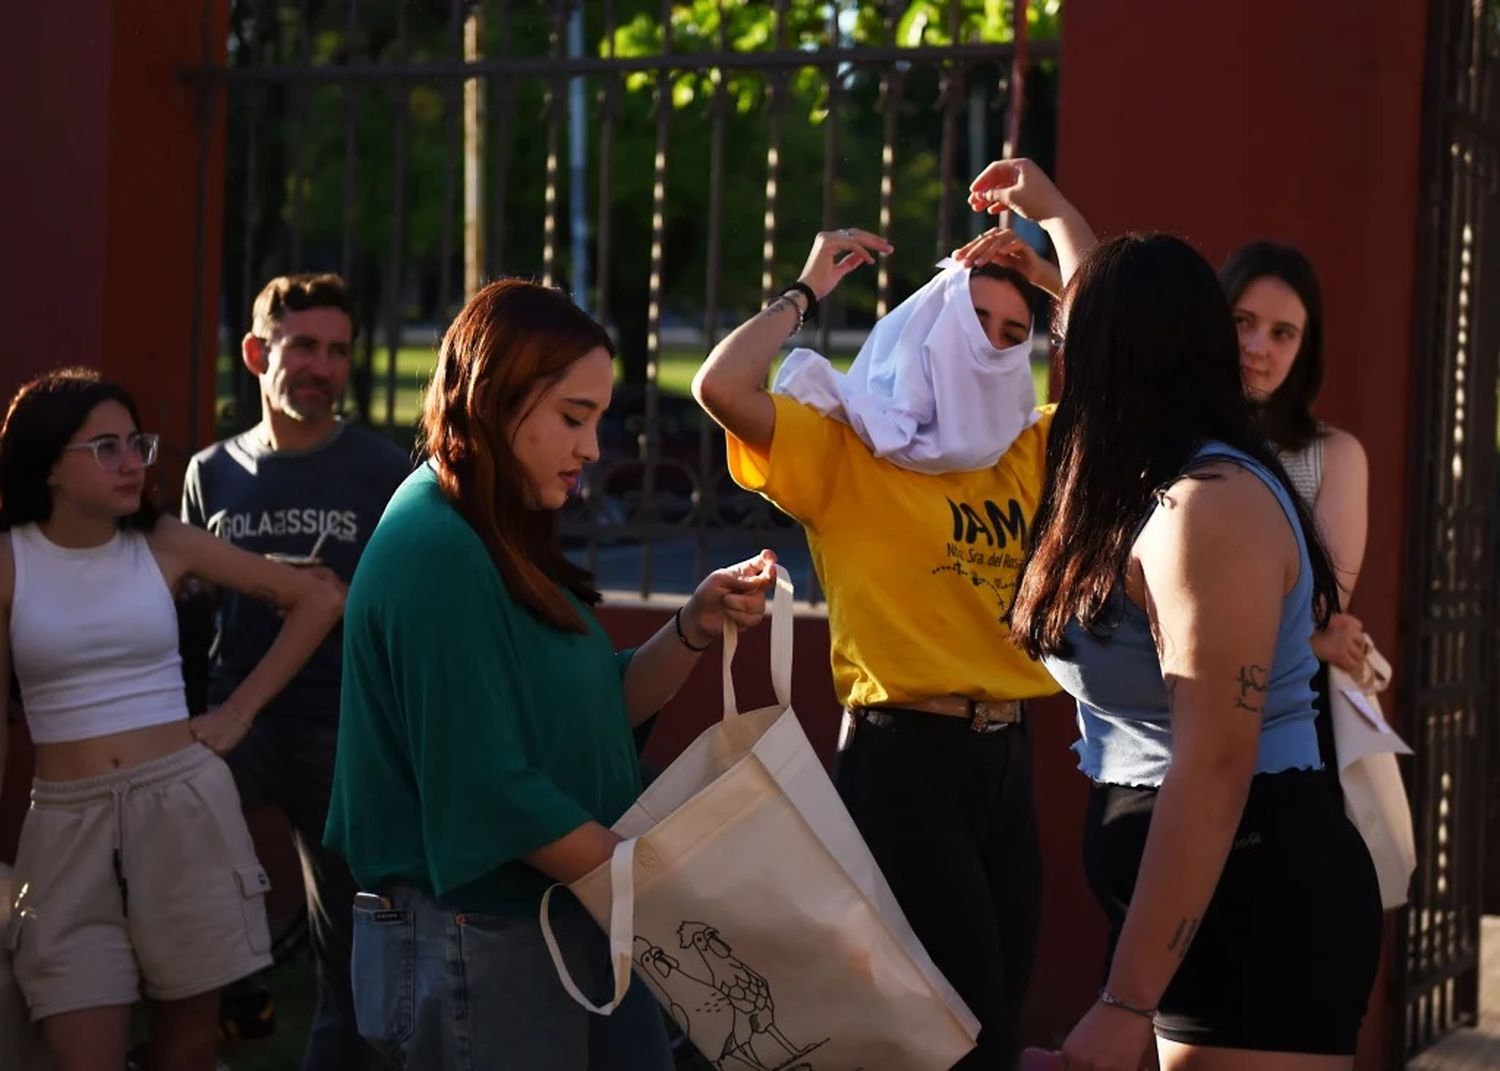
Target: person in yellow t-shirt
x=920 y=567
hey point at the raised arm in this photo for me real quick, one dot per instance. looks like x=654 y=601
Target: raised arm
x=312 y=607
x=731 y=385
x=1024 y=187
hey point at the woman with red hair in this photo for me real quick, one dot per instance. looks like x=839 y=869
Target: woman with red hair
x=485 y=739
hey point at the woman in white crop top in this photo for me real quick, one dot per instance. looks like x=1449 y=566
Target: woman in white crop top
x=135 y=874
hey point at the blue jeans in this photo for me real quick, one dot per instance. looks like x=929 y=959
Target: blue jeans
x=438 y=990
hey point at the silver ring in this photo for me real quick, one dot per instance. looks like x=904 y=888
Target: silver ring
x=846 y=232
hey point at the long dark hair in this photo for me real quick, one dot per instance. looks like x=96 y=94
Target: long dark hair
x=1286 y=416
x=43 y=415
x=1150 y=372
x=511 y=337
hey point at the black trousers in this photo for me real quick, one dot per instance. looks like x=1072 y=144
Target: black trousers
x=950 y=817
x=288 y=763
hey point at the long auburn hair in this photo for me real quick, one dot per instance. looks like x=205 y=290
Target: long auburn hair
x=511 y=341
x=1150 y=373
x=1285 y=417
x=42 y=416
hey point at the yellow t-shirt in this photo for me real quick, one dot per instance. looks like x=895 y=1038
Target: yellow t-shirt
x=919 y=570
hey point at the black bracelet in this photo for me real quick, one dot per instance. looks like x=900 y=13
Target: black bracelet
x=1110 y=1000
x=806 y=291
x=677 y=620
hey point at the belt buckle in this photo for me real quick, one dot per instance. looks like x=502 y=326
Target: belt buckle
x=980 y=720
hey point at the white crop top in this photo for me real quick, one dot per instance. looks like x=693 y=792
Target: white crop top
x=93 y=637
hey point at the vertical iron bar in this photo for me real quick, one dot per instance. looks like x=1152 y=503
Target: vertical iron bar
x=1475 y=397
x=649 y=437
x=301 y=102
x=556 y=108
x=351 y=149
x=246 y=391
x=578 y=162
x=951 y=96
x=777 y=91
x=1019 y=36
x=474 y=97
x=1017 y=90
x=452 y=118
x=602 y=230
x=364 y=379
x=501 y=133
x=608 y=106
x=719 y=107
x=893 y=81
x=393 y=273
x=830 y=173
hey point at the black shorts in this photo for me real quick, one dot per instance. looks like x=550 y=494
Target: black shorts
x=1287 y=951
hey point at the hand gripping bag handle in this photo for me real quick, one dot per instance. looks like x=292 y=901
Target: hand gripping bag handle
x=781 y=648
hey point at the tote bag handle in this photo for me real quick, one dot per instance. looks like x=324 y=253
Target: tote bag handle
x=781 y=648
x=621 y=930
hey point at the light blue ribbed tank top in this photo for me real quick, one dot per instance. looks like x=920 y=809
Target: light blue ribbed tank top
x=1114 y=674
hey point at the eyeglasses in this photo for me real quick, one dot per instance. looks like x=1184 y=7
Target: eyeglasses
x=109 y=450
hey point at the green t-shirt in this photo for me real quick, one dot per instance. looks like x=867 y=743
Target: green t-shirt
x=471 y=732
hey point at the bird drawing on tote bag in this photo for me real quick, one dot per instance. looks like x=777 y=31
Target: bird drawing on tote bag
x=719 y=1002
x=747 y=993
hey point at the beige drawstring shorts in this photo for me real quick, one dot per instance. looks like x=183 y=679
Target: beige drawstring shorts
x=143 y=880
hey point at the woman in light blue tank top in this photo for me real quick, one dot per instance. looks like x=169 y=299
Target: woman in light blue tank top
x=1173 y=585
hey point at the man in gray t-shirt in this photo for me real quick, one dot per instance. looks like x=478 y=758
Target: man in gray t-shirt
x=300 y=479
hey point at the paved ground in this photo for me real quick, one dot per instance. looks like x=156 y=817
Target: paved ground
x=1470 y=1050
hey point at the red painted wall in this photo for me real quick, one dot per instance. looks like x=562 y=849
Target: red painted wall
x=99 y=202
x=1230 y=121
x=53 y=187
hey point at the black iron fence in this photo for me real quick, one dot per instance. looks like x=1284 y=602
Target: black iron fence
x=666 y=162
x=1449 y=687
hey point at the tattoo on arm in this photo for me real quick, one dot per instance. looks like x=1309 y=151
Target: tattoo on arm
x=1170 y=681
x=1183 y=936
x=1252 y=688
x=782 y=302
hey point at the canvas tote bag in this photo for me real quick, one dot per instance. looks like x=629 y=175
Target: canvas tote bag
x=746 y=899
x=1374 y=796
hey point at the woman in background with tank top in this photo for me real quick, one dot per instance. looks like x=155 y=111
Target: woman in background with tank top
x=1278 y=310
x=135 y=872
x=1172 y=588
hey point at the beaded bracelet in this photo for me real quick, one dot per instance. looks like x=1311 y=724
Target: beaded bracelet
x=806 y=291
